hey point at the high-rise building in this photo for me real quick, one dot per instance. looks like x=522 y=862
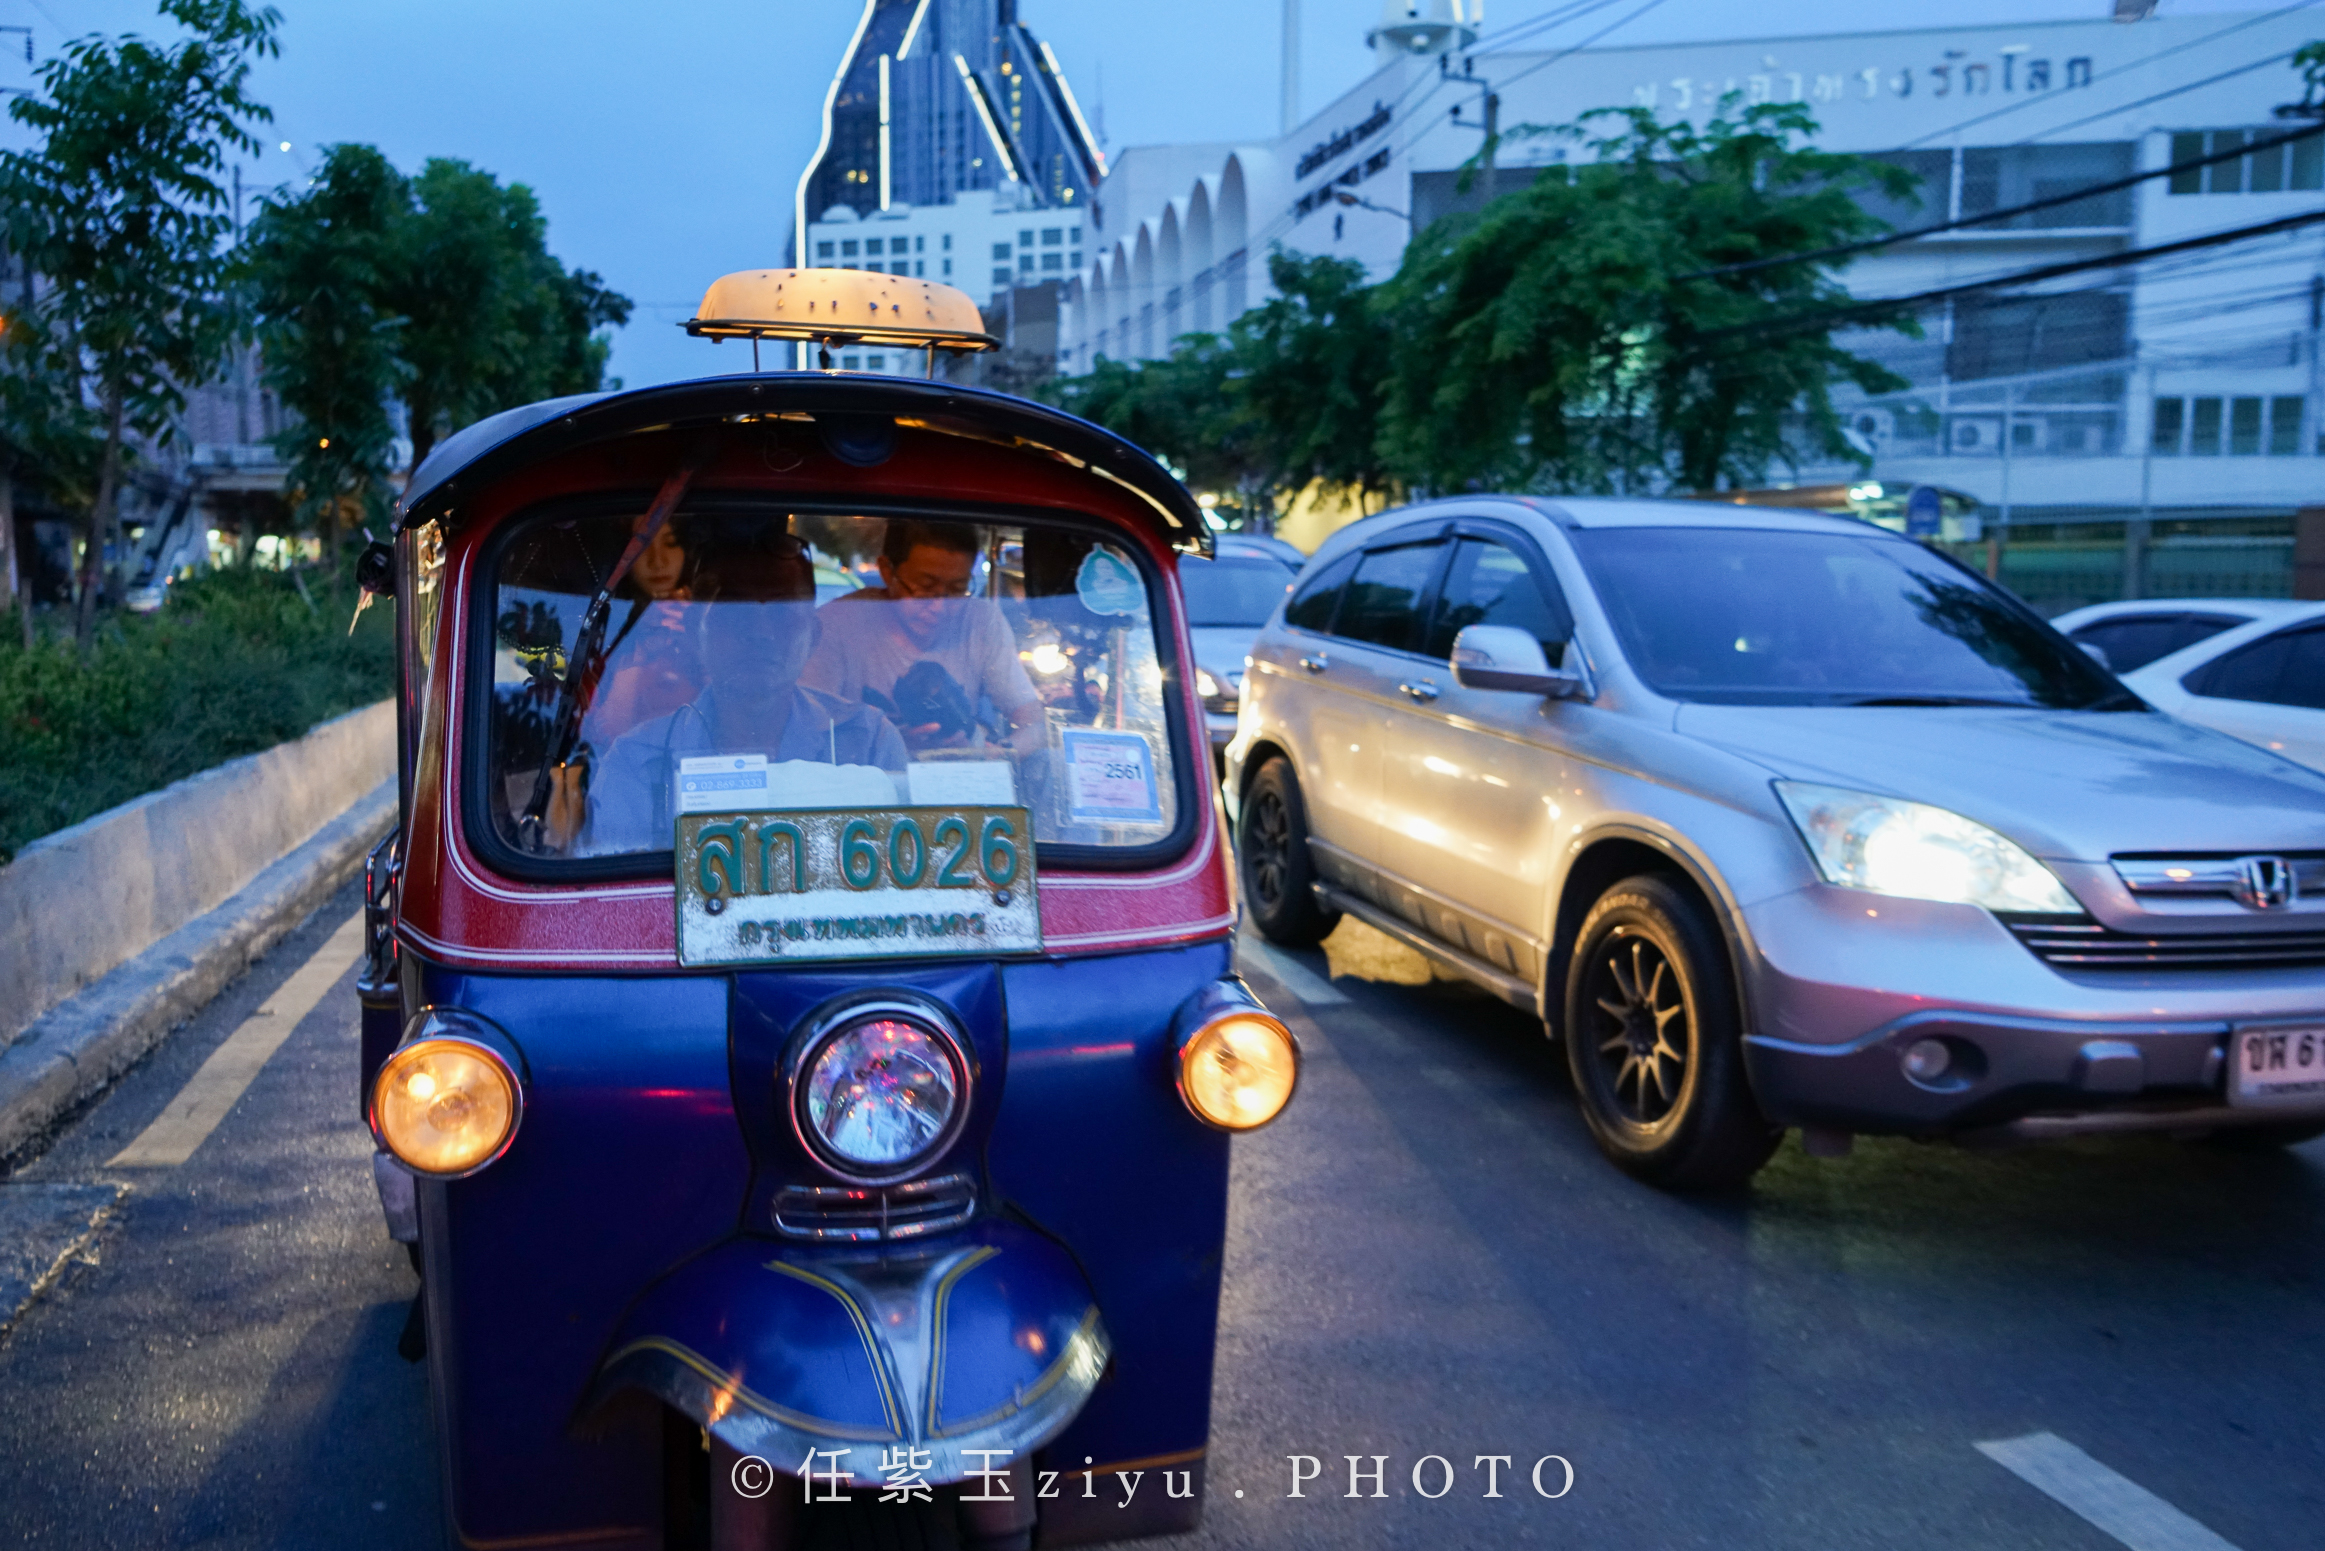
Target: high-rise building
x=937 y=99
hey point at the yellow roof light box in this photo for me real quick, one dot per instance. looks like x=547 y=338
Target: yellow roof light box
x=830 y=307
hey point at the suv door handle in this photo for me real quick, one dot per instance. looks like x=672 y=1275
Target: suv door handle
x=1317 y=663
x=1421 y=690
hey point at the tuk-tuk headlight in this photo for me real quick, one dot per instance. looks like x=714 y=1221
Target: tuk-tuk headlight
x=1238 y=1069
x=445 y=1106
x=880 y=1093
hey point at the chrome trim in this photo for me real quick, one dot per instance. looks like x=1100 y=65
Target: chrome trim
x=2223 y=877
x=858 y=1215
x=835 y=1018
x=2086 y=944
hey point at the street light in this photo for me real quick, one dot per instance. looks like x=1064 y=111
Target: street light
x=1347 y=198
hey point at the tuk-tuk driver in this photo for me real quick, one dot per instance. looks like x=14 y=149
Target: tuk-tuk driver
x=922 y=614
x=755 y=704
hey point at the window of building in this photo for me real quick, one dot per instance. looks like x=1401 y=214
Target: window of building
x=919 y=267
x=948 y=242
x=2299 y=166
x=2284 y=425
x=920 y=244
x=1025 y=238
x=2005 y=337
x=2244 y=427
x=1053 y=261
x=2204 y=428
x=1053 y=236
x=948 y=266
x=851 y=363
x=1002 y=276
x=1999 y=177
x=823 y=250
x=871 y=245
x=2171 y=423
x=1025 y=262
x=848 y=248
x=877 y=363
x=1000 y=252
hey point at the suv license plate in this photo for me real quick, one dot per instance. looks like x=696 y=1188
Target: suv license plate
x=2271 y=1066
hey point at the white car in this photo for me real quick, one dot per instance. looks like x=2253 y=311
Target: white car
x=2263 y=682
x=2135 y=633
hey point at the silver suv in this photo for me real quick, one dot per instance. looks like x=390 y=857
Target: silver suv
x=1781 y=820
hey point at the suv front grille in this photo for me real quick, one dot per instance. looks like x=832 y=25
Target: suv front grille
x=865 y=1215
x=2077 y=942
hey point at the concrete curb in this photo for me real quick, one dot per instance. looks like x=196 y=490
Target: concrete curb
x=76 y=1050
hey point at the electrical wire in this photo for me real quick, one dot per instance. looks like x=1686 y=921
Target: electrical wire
x=2111 y=73
x=2008 y=212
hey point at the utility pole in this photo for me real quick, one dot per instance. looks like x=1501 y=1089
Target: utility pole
x=1291 y=82
x=2137 y=533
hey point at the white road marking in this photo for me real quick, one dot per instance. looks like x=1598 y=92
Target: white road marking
x=2115 y=1504
x=191 y=1116
x=1292 y=975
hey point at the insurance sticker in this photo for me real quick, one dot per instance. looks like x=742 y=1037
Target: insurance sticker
x=803 y=885
x=1110 y=778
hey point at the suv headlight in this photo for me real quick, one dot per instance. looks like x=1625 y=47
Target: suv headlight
x=1889 y=846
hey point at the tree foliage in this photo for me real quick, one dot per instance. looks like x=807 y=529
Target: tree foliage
x=314 y=266
x=491 y=318
x=119 y=206
x=1586 y=333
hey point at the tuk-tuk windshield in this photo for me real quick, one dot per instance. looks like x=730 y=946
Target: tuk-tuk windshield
x=763 y=659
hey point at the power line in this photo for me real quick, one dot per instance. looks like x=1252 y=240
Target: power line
x=2008 y=212
x=2175 y=91
x=2024 y=276
x=2177 y=48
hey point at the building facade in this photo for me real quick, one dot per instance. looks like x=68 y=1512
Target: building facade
x=953 y=149
x=2138 y=426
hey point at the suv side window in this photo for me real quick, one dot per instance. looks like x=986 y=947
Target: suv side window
x=1489 y=583
x=1385 y=600
x=1313 y=606
x=2283 y=669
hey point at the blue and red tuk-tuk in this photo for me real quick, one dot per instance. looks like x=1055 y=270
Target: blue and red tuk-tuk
x=800 y=1034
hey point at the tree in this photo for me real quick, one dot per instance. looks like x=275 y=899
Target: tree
x=312 y=267
x=119 y=206
x=491 y=318
x=1588 y=332
x=1183 y=408
x=1313 y=366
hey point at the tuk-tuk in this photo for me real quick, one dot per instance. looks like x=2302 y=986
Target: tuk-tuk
x=800 y=1034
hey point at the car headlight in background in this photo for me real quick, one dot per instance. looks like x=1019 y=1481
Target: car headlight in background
x=1219 y=692
x=445 y=1106
x=1910 y=849
x=1238 y=1063
x=880 y=1093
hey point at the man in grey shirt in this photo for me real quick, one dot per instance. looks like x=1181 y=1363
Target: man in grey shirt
x=922 y=613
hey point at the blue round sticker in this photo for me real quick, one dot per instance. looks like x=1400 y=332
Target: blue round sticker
x=1106 y=584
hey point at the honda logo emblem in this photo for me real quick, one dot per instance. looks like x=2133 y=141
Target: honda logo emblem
x=2264 y=882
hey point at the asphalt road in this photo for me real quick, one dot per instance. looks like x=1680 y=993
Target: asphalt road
x=1427 y=1259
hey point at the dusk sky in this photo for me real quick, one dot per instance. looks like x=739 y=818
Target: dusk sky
x=665 y=141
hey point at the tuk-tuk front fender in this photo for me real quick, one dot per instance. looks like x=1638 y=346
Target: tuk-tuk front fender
x=970 y=1352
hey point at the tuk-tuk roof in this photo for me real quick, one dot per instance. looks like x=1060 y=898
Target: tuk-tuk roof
x=476 y=456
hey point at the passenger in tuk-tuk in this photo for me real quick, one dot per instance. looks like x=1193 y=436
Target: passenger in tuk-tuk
x=920 y=648
x=753 y=640
x=651 y=667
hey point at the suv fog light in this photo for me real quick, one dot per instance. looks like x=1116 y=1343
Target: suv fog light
x=1926 y=1060
x=445 y=1106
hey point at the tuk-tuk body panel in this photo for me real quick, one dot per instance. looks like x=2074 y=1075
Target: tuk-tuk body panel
x=459 y=911
x=628 y=1159
x=1094 y=1144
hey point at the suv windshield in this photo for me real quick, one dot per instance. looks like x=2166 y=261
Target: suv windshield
x=947 y=663
x=1233 y=590
x=1766 y=617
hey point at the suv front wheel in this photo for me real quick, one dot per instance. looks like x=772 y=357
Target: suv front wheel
x=1654 y=1040
x=1271 y=852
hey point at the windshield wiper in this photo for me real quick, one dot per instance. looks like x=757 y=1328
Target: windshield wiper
x=1943 y=700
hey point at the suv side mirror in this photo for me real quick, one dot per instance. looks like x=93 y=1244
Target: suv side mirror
x=1503 y=657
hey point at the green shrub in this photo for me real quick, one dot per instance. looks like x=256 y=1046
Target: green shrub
x=237 y=662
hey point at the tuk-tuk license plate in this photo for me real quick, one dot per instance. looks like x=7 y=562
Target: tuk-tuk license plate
x=2283 y=1065
x=837 y=883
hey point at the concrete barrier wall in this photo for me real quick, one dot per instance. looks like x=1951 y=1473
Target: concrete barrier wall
x=78 y=903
